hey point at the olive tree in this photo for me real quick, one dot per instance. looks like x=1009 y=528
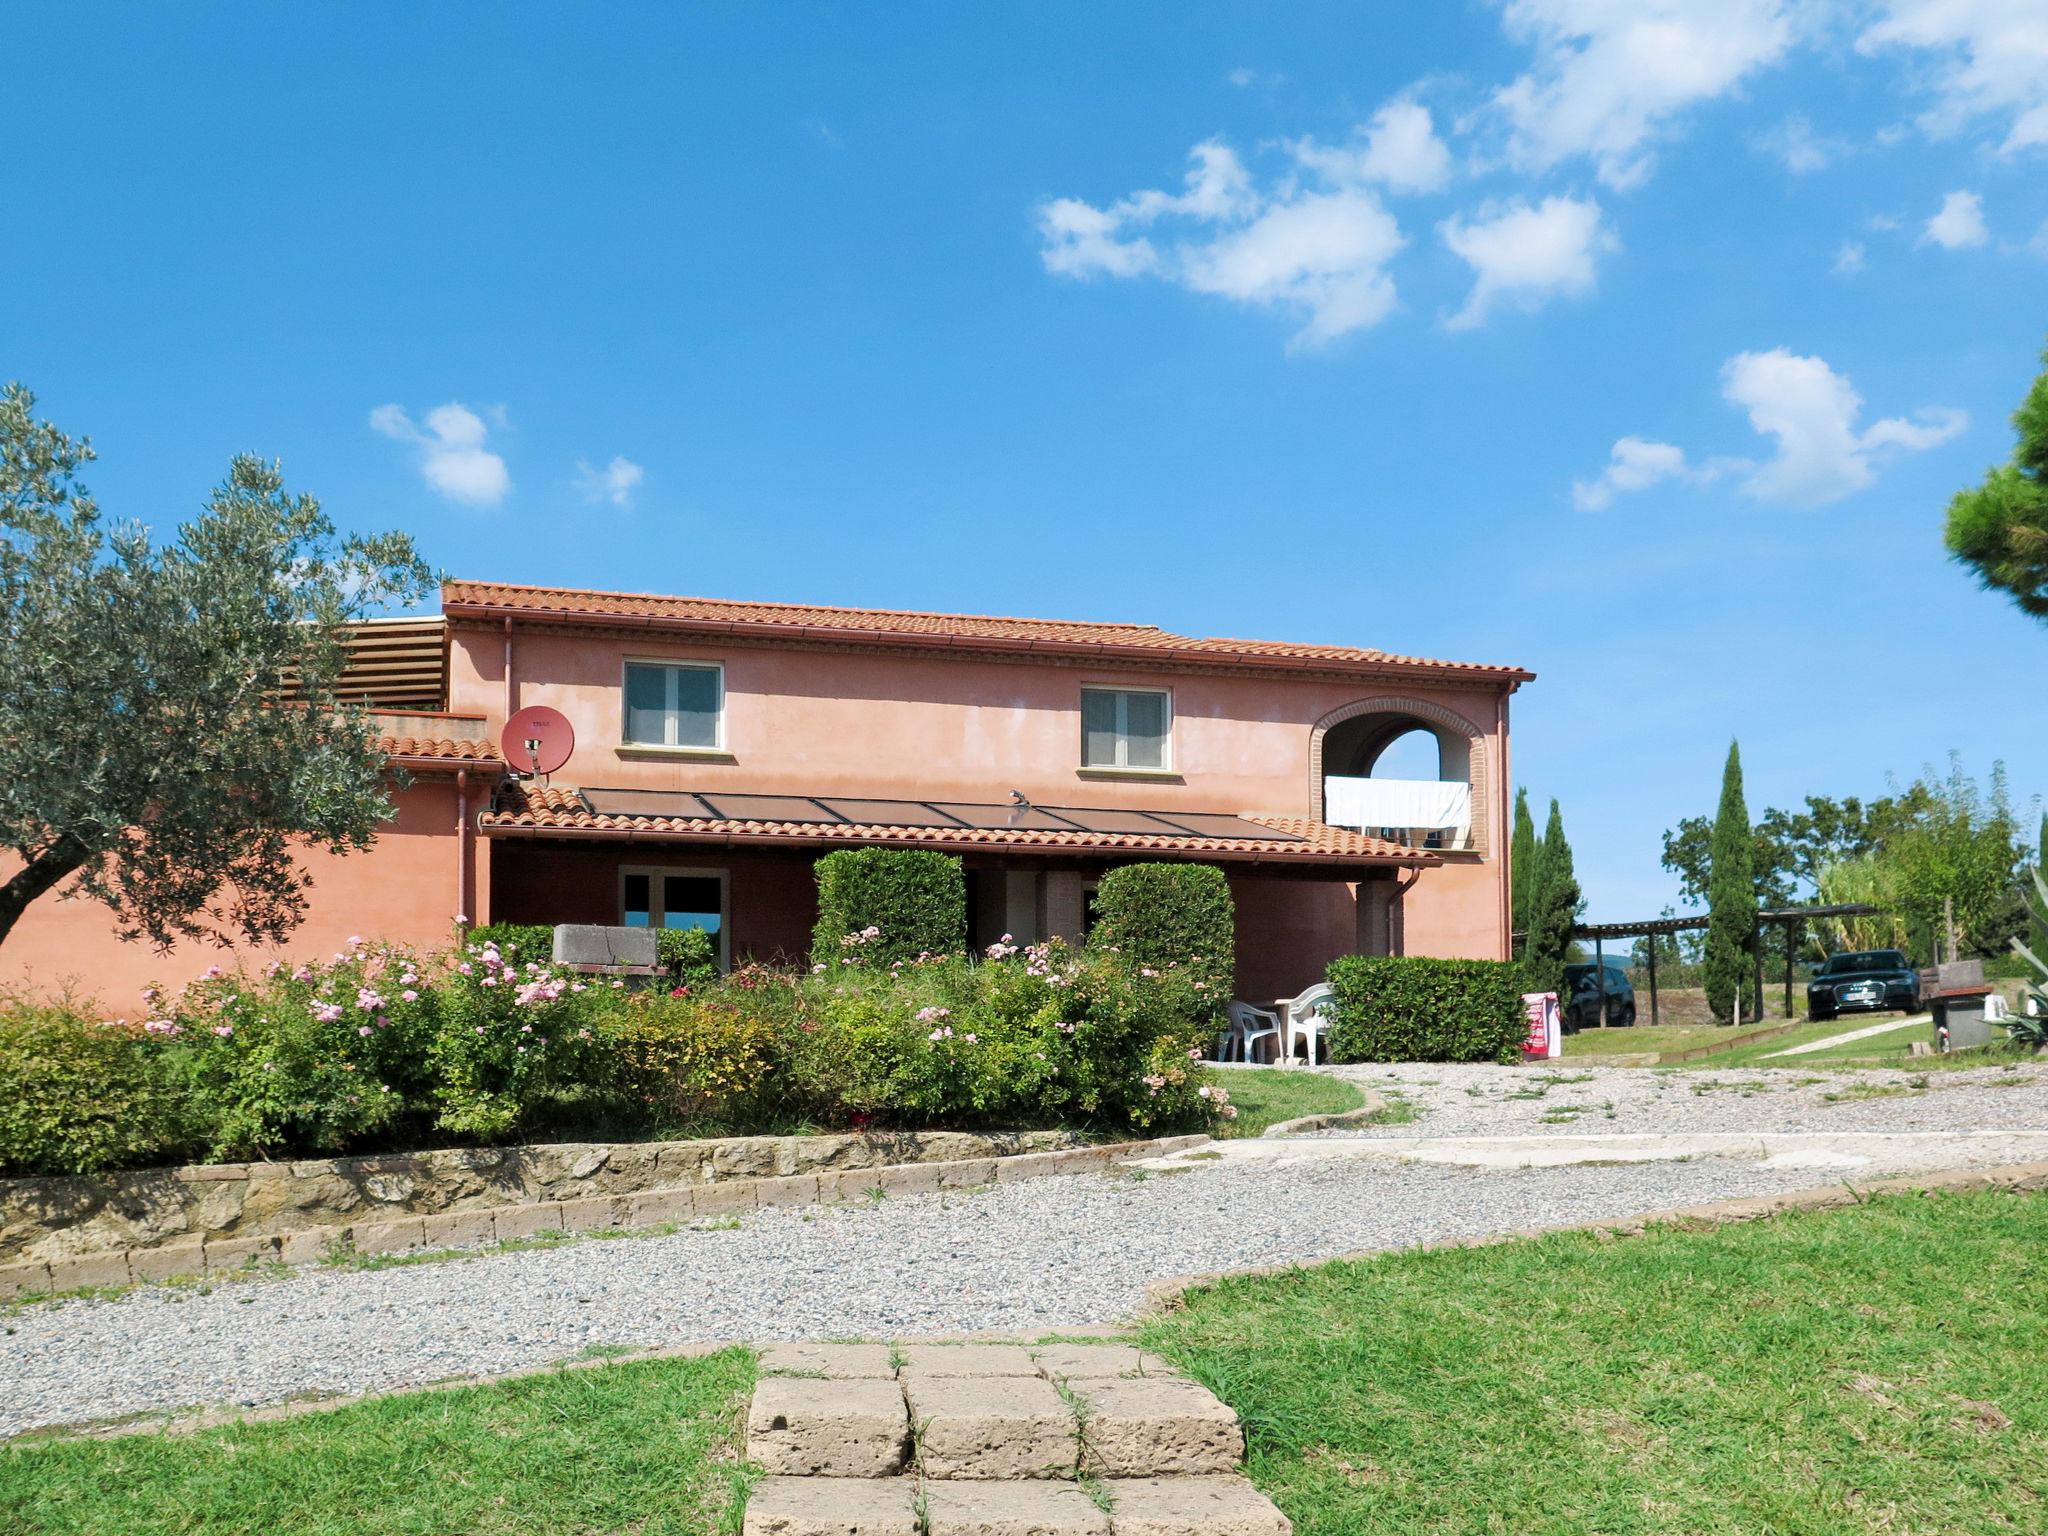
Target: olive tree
x=169 y=730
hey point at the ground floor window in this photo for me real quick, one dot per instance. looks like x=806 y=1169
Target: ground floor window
x=673 y=898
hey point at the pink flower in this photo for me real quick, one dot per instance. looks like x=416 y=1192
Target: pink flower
x=210 y=972
x=409 y=995
x=928 y=1015
x=362 y=1029
x=972 y=1039
x=164 y=1027
x=818 y=969
x=355 y=941
x=327 y=1013
x=223 y=1030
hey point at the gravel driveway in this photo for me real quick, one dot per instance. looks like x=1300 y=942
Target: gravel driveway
x=1561 y=1098
x=1047 y=1252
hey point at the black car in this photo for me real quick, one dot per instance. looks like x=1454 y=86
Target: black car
x=1866 y=981
x=1580 y=1005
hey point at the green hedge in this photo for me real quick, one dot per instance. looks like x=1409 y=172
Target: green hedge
x=689 y=955
x=1412 y=1008
x=529 y=941
x=914 y=900
x=1162 y=915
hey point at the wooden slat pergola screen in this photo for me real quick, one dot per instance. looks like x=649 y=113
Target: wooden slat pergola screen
x=1789 y=918
x=398 y=664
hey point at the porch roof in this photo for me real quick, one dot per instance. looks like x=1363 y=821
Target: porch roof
x=524 y=808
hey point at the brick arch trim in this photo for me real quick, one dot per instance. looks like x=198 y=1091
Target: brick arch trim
x=1480 y=770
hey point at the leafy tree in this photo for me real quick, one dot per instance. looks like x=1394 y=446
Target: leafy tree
x=146 y=761
x=1961 y=855
x=2000 y=528
x=1554 y=907
x=1523 y=853
x=1731 y=900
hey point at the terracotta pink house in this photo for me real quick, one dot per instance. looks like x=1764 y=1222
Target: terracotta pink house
x=721 y=747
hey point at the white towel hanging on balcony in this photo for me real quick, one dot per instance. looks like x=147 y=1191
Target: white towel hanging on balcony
x=1374 y=803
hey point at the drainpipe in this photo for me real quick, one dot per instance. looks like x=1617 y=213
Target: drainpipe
x=1397 y=925
x=462 y=843
x=1503 y=837
x=511 y=707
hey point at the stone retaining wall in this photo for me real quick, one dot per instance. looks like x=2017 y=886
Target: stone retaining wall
x=50 y=1219
x=386 y=1232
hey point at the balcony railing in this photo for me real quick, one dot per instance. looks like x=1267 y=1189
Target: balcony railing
x=1417 y=813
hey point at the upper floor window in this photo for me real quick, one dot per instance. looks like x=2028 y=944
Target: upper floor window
x=1125 y=727
x=671 y=704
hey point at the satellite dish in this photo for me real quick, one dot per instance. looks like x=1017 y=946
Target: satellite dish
x=538 y=739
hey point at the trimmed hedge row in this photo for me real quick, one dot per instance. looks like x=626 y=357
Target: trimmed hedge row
x=1414 y=1008
x=1163 y=915
x=913 y=899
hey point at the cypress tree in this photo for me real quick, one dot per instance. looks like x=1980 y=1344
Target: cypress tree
x=1553 y=909
x=1523 y=853
x=1731 y=900
x=2038 y=914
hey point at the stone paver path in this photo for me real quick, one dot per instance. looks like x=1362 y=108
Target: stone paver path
x=994 y=1440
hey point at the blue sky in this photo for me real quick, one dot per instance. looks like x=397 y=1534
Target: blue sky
x=1639 y=344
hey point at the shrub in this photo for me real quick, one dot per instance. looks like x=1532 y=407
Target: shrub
x=689 y=955
x=687 y=1058
x=519 y=942
x=80 y=1095
x=1161 y=915
x=876 y=905
x=1412 y=1008
x=314 y=1058
x=507 y=1037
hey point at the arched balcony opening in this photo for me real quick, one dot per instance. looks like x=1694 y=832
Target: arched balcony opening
x=1401 y=769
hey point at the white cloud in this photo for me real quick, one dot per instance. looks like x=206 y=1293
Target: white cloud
x=614 y=483
x=1810 y=410
x=1990 y=61
x=453 y=457
x=1959 y=225
x=1526 y=255
x=1612 y=76
x=1794 y=145
x=1848 y=260
x=1318 y=250
x=1399 y=150
x=1634 y=464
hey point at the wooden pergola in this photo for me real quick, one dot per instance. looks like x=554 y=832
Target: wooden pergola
x=1792 y=919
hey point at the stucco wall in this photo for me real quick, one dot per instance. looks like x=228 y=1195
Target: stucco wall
x=403 y=888
x=927 y=727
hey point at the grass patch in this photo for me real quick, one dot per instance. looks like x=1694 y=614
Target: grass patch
x=650 y=1448
x=1267 y=1095
x=1835 y=1373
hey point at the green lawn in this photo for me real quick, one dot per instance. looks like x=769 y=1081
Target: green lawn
x=651 y=1449
x=1642 y=1037
x=1267 y=1095
x=1862 y=1371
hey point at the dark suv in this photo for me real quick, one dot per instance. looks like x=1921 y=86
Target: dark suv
x=1581 y=1003
x=1866 y=981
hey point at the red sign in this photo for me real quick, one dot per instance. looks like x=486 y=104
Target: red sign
x=538 y=739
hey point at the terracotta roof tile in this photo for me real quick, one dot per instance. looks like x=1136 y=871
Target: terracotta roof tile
x=440 y=748
x=806 y=620
x=522 y=806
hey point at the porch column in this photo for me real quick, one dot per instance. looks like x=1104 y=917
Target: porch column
x=1020 y=905
x=1375 y=917
x=1065 y=905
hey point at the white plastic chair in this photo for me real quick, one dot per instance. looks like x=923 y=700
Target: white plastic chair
x=1248 y=1026
x=1308 y=1021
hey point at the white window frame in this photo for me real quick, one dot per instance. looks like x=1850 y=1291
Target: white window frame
x=673 y=664
x=656 y=873
x=1123 y=731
